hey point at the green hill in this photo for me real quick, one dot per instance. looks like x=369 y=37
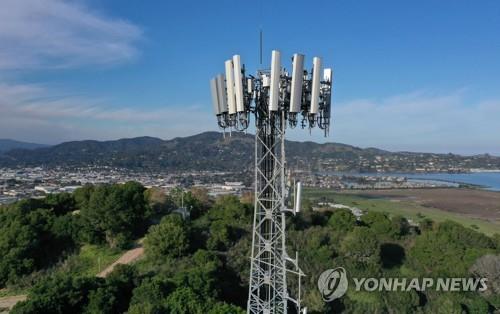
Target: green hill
x=200 y=265
x=212 y=151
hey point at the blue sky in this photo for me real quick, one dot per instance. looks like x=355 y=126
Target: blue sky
x=409 y=75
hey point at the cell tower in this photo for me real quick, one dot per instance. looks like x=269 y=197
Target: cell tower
x=275 y=99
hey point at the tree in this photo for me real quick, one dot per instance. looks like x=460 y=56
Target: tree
x=306 y=205
x=444 y=303
x=488 y=266
x=448 y=250
x=59 y=295
x=102 y=300
x=379 y=223
x=82 y=195
x=230 y=209
x=220 y=236
x=145 y=308
x=227 y=220
x=113 y=213
x=342 y=220
x=400 y=225
x=60 y=203
x=29 y=240
x=184 y=301
x=496 y=239
x=150 y=296
x=401 y=301
x=173 y=280
x=159 y=202
x=224 y=308
x=115 y=295
x=476 y=304
x=237 y=258
x=317 y=251
x=203 y=276
x=66 y=230
x=362 y=245
x=201 y=194
x=124 y=278
x=170 y=238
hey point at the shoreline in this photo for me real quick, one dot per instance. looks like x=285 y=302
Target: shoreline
x=462 y=187
x=484 y=171
x=470 y=180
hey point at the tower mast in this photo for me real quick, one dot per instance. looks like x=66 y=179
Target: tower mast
x=275 y=99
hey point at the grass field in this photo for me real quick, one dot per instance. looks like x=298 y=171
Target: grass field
x=409 y=207
x=91 y=260
x=88 y=261
x=12 y=292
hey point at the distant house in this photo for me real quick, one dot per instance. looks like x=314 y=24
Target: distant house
x=69 y=188
x=45 y=189
x=354 y=210
x=228 y=188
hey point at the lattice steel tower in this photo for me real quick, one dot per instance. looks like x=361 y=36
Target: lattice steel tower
x=275 y=98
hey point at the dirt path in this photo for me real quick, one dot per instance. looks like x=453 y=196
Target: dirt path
x=7 y=303
x=127 y=258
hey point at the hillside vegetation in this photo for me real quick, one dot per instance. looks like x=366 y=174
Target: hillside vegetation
x=201 y=265
x=7 y=145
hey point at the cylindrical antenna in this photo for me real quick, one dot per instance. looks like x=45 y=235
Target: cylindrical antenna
x=274 y=91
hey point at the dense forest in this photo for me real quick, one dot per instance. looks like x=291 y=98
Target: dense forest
x=200 y=264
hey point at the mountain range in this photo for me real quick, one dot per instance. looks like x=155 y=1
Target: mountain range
x=7 y=145
x=212 y=151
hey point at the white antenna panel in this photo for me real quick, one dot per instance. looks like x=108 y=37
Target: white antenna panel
x=215 y=95
x=298 y=197
x=328 y=75
x=297 y=79
x=266 y=80
x=249 y=86
x=315 y=85
x=221 y=93
x=238 y=83
x=231 y=99
x=274 y=92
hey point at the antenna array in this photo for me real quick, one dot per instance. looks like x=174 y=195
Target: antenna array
x=273 y=93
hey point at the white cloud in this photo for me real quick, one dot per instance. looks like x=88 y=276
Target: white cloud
x=44 y=34
x=36 y=113
x=420 y=121
x=56 y=33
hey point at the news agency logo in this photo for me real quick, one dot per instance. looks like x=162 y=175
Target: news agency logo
x=332 y=283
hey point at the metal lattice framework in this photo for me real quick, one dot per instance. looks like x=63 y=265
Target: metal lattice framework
x=268 y=291
x=275 y=99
